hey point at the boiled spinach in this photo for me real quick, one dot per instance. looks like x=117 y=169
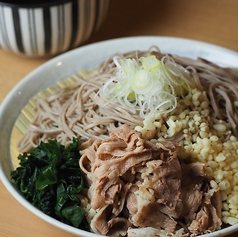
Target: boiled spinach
x=50 y=178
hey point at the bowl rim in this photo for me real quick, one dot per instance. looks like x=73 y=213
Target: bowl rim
x=33 y=4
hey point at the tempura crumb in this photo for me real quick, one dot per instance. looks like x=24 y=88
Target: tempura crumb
x=207 y=140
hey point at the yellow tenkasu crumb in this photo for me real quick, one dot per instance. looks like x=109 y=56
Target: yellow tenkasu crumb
x=210 y=141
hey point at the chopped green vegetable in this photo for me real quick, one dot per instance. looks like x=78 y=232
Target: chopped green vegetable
x=50 y=178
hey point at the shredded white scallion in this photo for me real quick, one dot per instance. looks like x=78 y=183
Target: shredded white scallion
x=148 y=86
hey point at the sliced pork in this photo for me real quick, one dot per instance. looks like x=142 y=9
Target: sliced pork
x=134 y=184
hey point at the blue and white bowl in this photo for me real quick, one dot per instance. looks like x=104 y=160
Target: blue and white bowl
x=44 y=28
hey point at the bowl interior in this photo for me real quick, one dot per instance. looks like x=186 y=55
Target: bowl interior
x=83 y=58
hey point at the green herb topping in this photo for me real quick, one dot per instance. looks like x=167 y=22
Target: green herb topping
x=50 y=178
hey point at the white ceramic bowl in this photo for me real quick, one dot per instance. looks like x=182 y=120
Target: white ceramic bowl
x=43 y=28
x=84 y=58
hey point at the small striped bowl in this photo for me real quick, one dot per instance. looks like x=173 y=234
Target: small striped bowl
x=44 y=28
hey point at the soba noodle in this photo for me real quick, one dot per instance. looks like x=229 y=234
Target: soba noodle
x=79 y=111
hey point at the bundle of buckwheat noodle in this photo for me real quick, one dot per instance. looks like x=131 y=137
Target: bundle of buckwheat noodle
x=79 y=111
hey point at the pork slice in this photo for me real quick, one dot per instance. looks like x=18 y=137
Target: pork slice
x=87 y=160
x=112 y=147
x=109 y=174
x=201 y=204
x=206 y=219
x=192 y=180
x=151 y=215
x=130 y=136
x=131 y=201
x=118 y=226
x=156 y=201
x=110 y=161
x=216 y=201
x=99 y=222
x=119 y=200
x=167 y=187
x=106 y=219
